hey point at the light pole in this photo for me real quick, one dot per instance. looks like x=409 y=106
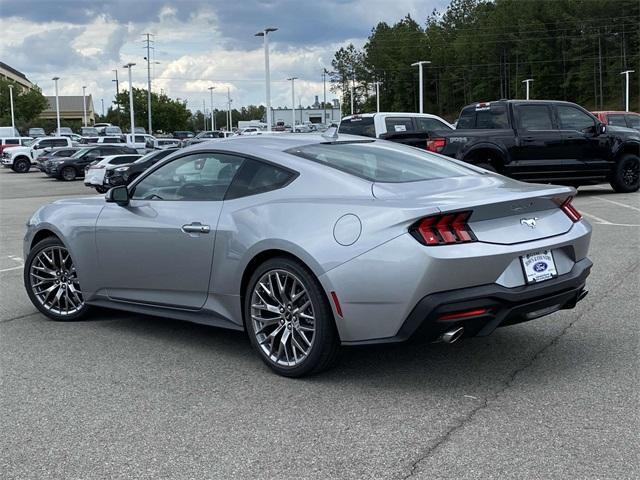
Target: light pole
x=102 y=102
x=378 y=97
x=117 y=92
x=55 y=79
x=230 y=122
x=211 y=89
x=267 y=74
x=13 y=120
x=419 y=65
x=324 y=90
x=293 y=103
x=148 y=59
x=84 y=105
x=527 y=82
x=133 y=127
x=626 y=96
x=353 y=85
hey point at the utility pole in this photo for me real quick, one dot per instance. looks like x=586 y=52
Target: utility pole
x=84 y=105
x=324 y=101
x=128 y=66
x=267 y=73
x=102 y=102
x=527 y=82
x=213 y=121
x=230 y=120
x=55 y=80
x=204 y=115
x=293 y=103
x=377 y=96
x=353 y=86
x=600 y=69
x=148 y=58
x=13 y=120
x=419 y=65
x=117 y=92
x=626 y=96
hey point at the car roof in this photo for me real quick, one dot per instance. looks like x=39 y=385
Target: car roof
x=620 y=112
x=404 y=114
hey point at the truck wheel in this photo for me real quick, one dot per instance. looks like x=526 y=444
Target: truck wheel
x=625 y=177
x=68 y=174
x=21 y=165
x=101 y=189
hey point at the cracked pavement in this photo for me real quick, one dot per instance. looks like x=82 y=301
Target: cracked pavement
x=129 y=396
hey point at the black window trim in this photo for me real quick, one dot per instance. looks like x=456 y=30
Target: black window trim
x=555 y=125
x=169 y=159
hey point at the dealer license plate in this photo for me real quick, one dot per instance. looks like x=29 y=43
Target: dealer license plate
x=539 y=266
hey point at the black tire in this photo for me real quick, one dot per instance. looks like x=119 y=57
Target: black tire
x=68 y=174
x=101 y=189
x=44 y=245
x=625 y=177
x=486 y=166
x=325 y=345
x=21 y=165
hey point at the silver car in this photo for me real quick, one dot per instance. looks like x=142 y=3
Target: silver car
x=309 y=242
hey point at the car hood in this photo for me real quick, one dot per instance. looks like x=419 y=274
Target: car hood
x=93 y=200
x=624 y=131
x=17 y=149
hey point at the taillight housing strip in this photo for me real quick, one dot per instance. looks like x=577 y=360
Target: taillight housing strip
x=443 y=229
x=568 y=209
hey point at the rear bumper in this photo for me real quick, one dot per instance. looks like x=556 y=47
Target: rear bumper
x=504 y=306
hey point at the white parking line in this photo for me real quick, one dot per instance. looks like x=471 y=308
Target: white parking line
x=620 y=204
x=602 y=221
x=15 y=259
x=12 y=268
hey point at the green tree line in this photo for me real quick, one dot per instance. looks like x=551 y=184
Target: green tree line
x=482 y=50
x=27 y=105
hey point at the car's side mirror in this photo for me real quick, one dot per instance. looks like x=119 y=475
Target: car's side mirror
x=36 y=147
x=119 y=195
x=601 y=128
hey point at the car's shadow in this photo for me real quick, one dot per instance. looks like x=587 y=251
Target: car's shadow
x=413 y=366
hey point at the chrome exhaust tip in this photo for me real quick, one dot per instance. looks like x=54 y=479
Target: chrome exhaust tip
x=452 y=335
x=582 y=294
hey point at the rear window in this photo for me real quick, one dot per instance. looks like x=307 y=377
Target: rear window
x=617 y=120
x=399 y=124
x=633 y=121
x=381 y=163
x=489 y=116
x=358 y=126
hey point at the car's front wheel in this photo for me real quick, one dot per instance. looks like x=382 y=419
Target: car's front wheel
x=289 y=320
x=625 y=177
x=21 y=165
x=68 y=174
x=101 y=189
x=52 y=282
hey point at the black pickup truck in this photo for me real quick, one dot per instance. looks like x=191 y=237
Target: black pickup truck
x=543 y=141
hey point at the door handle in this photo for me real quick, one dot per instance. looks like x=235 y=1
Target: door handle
x=196 y=227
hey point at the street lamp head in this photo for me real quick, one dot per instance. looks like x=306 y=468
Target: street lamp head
x=421 y=62
x=292 y=78
x=128 y=65
x=55 y=79
x=10 y=86
x=270 y=29
x=259 y=34
x=211 y=88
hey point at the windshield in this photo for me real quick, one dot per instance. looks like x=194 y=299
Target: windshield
x=154 y=155
x=358 y=126
x=379 y=162
x=81 y=152
x=28 y=143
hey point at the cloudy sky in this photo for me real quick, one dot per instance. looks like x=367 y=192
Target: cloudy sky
x=198 y=43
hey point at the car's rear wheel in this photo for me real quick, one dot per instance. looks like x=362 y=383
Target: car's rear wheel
x=68 y=174
x=289 y=320
x=52 y=282
x=101 y=189
x=486 y=166
x=625 y=177
x=21 y=165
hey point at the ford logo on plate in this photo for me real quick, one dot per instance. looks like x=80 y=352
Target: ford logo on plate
x=540 y=266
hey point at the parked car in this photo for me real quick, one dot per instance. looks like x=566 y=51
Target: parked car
x=141 y=142
x=301 y=128
x=543 y=141
x=102 y=125
x=95 y=171
x=279 y=127
x=72 y=167
x=90 y=140
x=6 y=142
x=317 y=244
x=164 y=143
x=51 y=153
x=109 y=139
x=619 y=119
x=63 y=132
x=20 y=159
x=183 y=134
x=139 y=130
x=407 y=128
x=37 y=132
x=250 y=131
x=89 y=131
x=9 y=132
x=125 y=174
x=109 y=131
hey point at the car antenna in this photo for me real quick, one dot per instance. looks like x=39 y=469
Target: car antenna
x=331 y=133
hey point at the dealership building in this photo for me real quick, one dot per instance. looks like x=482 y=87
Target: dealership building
x=314 y=113
x=70 y=108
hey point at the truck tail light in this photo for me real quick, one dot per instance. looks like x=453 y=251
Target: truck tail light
x=569 y=210
x=446 y=229
x=436 y=144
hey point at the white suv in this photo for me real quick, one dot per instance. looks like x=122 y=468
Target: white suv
x=20 y=159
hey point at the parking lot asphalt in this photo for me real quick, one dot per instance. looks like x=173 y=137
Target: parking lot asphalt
x=128 y=396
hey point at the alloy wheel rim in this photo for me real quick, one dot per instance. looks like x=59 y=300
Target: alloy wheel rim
x=631 y=172
x=283 y=318
x=54 y=281
x=68 y=174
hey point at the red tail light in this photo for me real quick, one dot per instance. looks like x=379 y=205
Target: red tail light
x=447 y=229
x=464 y=314
x=436 y=144
x=570 y=211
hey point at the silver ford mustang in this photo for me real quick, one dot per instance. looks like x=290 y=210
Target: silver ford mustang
x=310 y=242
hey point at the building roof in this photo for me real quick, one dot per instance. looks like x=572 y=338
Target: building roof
x=13 y=70
x=69 y=103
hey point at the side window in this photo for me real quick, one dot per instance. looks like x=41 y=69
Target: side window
x=430 y=124
x=633 y=121
x=534 y=117
x=60 y=143
x=11 y=141
x=399 y=124
x=256 y=177
x=46 y=143
x=196 y=177
x=121 y=160
x=573 y=119
x=467 y=119
x=617 y=120
x=140 y=139
x=494 y=117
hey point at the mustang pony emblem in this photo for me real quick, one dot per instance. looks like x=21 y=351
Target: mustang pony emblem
x=529 y=222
